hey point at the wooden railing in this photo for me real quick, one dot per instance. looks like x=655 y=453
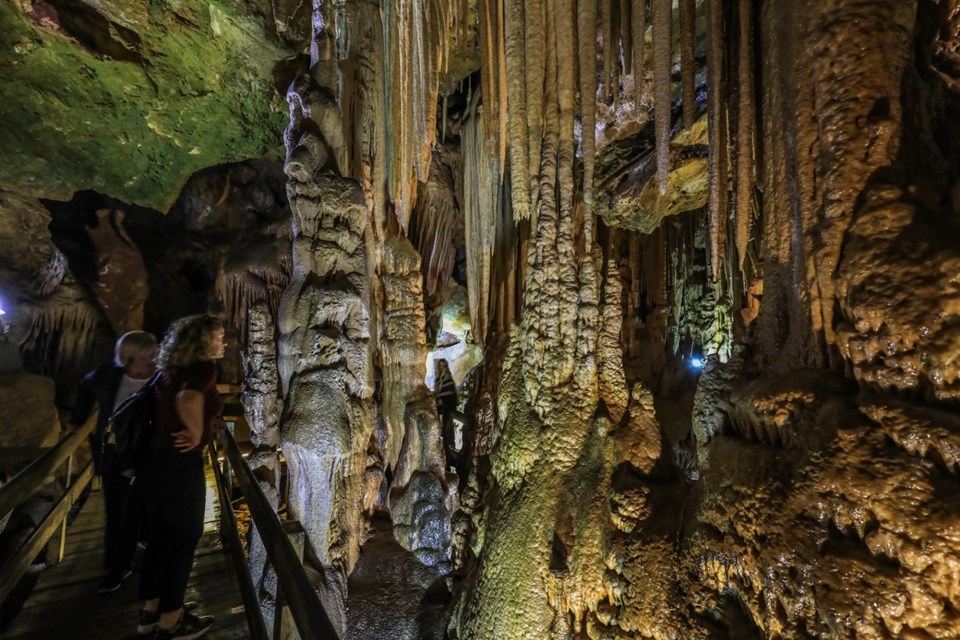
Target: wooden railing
x=25 y=484
x=294 y=588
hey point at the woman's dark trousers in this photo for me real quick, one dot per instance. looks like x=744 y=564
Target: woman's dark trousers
x=174 y=494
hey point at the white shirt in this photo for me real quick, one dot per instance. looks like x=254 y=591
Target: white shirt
x=128 y=386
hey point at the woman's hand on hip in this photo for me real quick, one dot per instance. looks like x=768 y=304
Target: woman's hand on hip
x=185 y=440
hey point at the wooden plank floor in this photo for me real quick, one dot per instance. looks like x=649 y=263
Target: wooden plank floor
x=64 y=604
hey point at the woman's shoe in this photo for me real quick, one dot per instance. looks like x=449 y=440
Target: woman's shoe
x=150 y=619
x=188 y=628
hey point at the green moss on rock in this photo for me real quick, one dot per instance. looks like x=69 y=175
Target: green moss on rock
x=132 y=105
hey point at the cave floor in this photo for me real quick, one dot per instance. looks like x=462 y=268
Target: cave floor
x=392 y=594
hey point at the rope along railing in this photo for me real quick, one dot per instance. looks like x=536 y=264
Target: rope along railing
x=25 y=484
x=294 y=587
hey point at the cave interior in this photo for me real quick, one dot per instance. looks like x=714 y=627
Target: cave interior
x=690 y=263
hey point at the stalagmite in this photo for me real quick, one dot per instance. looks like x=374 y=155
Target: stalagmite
x=745 y=115
x=403 y=349
x=514 y=44
x=587 y=40
x=662 y=22
x=688 y=42
x=262 y=407
x=638 y=19
x=717 y=121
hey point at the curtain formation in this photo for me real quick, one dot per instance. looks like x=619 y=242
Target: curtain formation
x=540 y=116
x=613 y=41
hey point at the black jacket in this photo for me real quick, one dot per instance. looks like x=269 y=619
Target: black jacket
x=97 y=389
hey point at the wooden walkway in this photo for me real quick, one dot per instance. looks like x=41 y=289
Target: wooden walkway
x=64 y=604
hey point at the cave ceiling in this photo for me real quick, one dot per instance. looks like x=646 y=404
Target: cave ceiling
x=130 y=99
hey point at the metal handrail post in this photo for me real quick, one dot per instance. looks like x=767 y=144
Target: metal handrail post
x=285 y=627
x=305 y=605
x=231 y=539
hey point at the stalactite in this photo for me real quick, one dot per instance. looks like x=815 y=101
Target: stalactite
x=566 y=99
x=688 y=41
x=429 y=56
x=662 y=22
x=501 y=92
x=415 y=37
x=609 y=51
x=540 y=318
x=67 y=333
x=615 y=43
x=638 y=21
x=253 y=285
x=587 y=39
x=514 y=44
x=612 y=384
x=505 y=273
x=566 y=160
x=626 y=37
x=480 y=196
x=437 y=219
x=534 y=48
x=745 y=116
x=393 y=79
x=370 y=168
x=489 y=76
x=717 y=122
x=461 y=19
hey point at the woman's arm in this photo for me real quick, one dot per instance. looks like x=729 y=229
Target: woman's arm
x=190 y=411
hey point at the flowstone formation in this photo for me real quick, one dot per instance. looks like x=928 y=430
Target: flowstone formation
x=831 y=515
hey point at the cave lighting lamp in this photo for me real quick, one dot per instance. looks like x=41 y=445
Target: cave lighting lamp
x=696 y=362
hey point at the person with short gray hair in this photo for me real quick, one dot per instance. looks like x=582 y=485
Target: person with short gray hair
x=105 y=388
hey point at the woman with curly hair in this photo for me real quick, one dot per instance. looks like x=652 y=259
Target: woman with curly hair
x=188 y=407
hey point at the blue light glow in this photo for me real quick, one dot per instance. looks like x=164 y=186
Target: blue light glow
x=696 y=363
